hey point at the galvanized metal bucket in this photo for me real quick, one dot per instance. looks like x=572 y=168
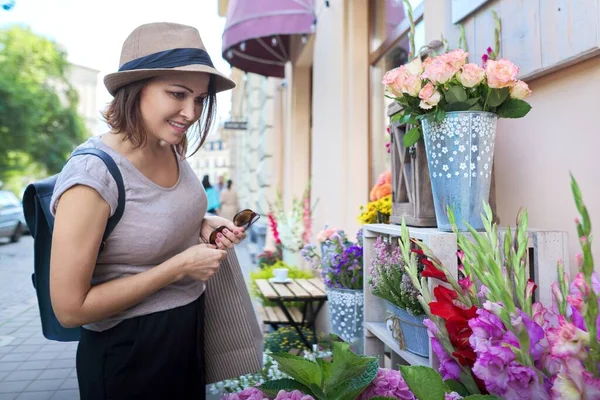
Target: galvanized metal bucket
x=460 y=154
x=346 y=308
x=413 y=335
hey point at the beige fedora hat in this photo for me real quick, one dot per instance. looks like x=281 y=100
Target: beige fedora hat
x=161 y=48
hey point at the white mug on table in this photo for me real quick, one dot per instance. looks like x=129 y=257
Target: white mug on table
x=280 y=274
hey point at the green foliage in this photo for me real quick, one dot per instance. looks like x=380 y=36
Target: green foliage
x=345 y=377
x=39 y=124
x=267 y=272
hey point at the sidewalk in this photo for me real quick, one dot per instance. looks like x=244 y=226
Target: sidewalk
x=34 y=368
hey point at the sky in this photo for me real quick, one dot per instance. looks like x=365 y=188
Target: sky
x=93 y=31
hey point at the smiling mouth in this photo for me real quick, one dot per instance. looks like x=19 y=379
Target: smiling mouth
x=179 y=127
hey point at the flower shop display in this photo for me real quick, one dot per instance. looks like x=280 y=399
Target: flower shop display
x=389 y=281
x=457 y=103
x=454 y=105
x=340 y=263
x=347 y=376
x=377 y=211
x=487 y=332
x=292 y=229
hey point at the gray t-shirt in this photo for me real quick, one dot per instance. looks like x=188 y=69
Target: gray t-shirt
x=158 y=223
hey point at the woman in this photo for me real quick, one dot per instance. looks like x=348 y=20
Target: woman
x=229 y=202
x=212 y=195
x=140 y=300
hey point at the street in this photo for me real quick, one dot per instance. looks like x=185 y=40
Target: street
x=16 y=267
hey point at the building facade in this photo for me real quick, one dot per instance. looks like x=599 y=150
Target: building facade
x=85 y=80
x=333 y=125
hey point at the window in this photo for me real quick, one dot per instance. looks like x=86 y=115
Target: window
x=390 y=35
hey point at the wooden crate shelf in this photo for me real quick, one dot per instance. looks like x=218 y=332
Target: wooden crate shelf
x=545 y=248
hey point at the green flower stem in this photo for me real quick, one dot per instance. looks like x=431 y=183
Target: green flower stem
x=584 y=229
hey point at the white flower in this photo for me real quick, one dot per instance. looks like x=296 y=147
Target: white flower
x=463 y=165
x=474 y=148
x=445 y=167
x=461 y=148
x=444 y=150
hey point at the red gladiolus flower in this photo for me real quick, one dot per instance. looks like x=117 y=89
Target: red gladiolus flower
x=430 y=270
x=457 y=323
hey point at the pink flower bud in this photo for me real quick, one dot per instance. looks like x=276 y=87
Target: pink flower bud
x=579 y=259
x=577 y=221
x=557 y=292
x=489 y=50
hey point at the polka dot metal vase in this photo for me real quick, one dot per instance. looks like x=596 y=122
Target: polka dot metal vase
x=460 y=154
x=346 y=315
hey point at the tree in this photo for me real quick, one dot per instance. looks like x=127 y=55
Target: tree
x=39 y=124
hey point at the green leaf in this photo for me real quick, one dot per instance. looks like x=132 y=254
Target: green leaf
x=456 y=94
x=458 y=106
x=424 y=382
x=497 y=97
x=412 y=136
x=476 y=107
x=317 y=392
x=350 y=373
x=271 y=388
x=513 y=108
x=325 y=370
x=457 y=387
x=473 y=101
x=302 y=370
x=482 y=397
x=439 y=115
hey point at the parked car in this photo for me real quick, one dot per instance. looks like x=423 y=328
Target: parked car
x=12 y=220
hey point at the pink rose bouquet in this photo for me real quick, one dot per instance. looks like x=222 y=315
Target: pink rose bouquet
x=445 y=83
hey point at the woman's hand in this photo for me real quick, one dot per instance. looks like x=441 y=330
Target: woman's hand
x=229 y=237
x=201 y=261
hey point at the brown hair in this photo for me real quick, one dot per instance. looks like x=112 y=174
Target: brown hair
x=123 y=114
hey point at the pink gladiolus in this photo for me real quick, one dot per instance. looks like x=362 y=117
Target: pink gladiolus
x=574 y=382
x=568 y=341
x=531 y=286
x=558 y=296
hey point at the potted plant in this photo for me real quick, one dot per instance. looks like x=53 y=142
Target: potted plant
x=454 y=105
x=340 y=263
x=389 y=281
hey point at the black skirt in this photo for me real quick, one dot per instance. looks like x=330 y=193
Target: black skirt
x=155 y=356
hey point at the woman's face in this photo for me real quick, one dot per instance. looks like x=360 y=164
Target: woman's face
x=171 y=104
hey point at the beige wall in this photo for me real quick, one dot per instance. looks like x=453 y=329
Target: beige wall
x=535 y=154
x=340 y=115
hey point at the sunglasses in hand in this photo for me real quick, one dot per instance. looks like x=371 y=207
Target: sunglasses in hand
x=244 y=219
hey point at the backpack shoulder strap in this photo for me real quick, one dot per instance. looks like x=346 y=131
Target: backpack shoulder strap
x=116 y=174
